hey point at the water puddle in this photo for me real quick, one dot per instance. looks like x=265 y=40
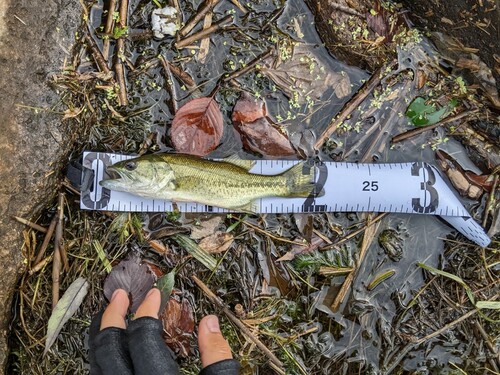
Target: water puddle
x=303 y=87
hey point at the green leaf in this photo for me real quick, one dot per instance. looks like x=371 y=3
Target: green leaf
x=102 y=256
x=380 y=278
x=422 y=114
x=468 y=290
x=165 y=284
x=493 y=305
x=65 y=309
x=197 y=252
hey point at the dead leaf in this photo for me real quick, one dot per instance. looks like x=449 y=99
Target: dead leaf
x=248 y=109
x=305 y=224
x=259 y=134
x=71 y=113
x=197 y=127
x=383 y=22
x=65 y=309
x=304 y=77
x=134 y=277
x=265 y=139
x=217 y=242
x=178 y=326
x=155 y=269
x=205 y=228
x=483 y=181
x=483 y=75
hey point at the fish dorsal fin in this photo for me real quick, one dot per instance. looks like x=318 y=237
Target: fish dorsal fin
x=235 y=160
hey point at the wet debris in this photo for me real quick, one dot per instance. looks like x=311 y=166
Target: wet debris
x=392 y=243
x=467 y=183
x=164 y=22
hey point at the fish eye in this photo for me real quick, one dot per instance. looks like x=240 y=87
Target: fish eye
x=131 y=165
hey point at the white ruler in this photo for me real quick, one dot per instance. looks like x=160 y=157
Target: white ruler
x=411 y=188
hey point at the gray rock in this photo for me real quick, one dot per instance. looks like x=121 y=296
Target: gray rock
x=35 y=37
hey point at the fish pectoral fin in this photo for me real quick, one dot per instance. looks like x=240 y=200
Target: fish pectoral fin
x=172 y=185
x=235 y=160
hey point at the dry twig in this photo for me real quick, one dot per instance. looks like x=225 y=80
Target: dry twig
x=351 y=105
x=276 y=238
x=97 y=55
x=490 y=203
x=248 y=67
x=56 y=263
x=108 y=30
x=365 y=244
x=46 y=240
x=30 y=224
x=204 y=33
x=38 y=266
x=58 y=237
x=205 y=42
x=355 y=233
x=204 y=9
x=489 y=344
x=179 y=73
x=346 y=9
x=120 y=54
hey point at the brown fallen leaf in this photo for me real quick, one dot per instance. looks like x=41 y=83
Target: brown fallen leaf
x=135 y=277
x=154 y=269
x=217 y=242
x=258 y=133
x=248 y=109
x=197 y=127
x=178 y=326
x=205 y=228
x=483 y=181
x=303 y=77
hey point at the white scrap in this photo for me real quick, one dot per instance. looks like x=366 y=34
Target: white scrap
x=164 y=22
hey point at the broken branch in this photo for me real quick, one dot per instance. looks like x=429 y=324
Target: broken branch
x=204 y=9
x=120 y=55
x=30 y=224
x=204 y=33
x=46 y=240
x=98 y=57
x=351 y=105
x=110 y=21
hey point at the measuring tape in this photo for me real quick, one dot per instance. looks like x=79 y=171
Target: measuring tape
x=410 y=188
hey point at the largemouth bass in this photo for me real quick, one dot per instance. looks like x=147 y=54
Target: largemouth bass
x=227 y=183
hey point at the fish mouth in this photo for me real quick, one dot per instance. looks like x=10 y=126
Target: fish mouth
x=118 y=179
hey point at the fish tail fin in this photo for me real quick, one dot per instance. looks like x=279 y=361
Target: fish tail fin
x=300 y=181
x=250 y=207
